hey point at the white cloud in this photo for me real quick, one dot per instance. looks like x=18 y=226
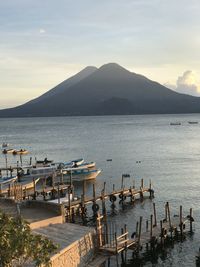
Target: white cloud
x=42 y=31
x=186 y=84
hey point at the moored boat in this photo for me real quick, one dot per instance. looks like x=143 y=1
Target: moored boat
x=20 y=152
x=91 y=164
x=193 y=122
x=175 y=123
x=80 y=173
x=6 y=151
x=73 y=163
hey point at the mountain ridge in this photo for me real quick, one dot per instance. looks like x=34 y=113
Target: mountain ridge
x=108 y=90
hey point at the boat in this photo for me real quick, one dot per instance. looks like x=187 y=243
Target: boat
x=5 y=145
x=70 y=164
x=91 y=164
x=20 y=152
x=25 y=184
x=5 y=182
x=43 y=162
x=193 y=122
x=175 y=123
x=37 y=172
x=80 y=173
x=6 y=151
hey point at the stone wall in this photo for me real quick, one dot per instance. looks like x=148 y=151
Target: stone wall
x=78 y=254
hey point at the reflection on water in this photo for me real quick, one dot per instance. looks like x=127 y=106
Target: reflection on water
x=145 y=146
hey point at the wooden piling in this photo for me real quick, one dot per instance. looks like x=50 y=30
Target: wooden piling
x=151 y=226
x=154 y=213
x=181 y=221
x=142 y=183
x=34 y=189
x=140 y=231
x=191 y=220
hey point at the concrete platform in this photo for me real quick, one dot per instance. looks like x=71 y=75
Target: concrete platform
x=76 y=244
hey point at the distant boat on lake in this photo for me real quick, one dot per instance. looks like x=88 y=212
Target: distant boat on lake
x=175 y=123
x=193 y=122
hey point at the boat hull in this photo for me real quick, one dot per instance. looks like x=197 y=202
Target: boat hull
x=76 y=176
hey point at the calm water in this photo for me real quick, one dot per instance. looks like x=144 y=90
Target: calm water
x=169 y=155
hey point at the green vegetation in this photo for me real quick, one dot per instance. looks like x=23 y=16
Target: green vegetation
x=18 y=245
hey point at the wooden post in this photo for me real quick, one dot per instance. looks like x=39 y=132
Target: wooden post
x=134 y=183
x=94 y=193
x=161 y=232
x=154 y=213
x=113 y=187
x=34 y=189
x=136 y=231
x=30 y=161
x=69 y=202
x=122 y=184
x=191 y=220
x=147 y=225
x=140 y=230
x=150 y=185
x=181 y=220
x=142 y=183
x=166 y=212
x=169 y=217
x=84 y=189
x=122 y=252
x=20 y=156
x=9 y=191
x=58 y=193
x=151 y=226
x=126 y=237
x=99 y=230
x=104 y=187
x=6 y=164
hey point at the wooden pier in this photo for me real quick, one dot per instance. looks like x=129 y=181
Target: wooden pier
x=155 y=236
x=122 y=194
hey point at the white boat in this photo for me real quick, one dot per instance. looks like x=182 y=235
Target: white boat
x=73 y=163
x=7 y=180
x=80 y=173
x=91 y=164
x=39 y=172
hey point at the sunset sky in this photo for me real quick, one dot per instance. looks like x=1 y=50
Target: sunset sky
x=44 y=42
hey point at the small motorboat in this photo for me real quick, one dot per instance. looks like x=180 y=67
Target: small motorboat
x=6 y=151
x=175 y=123
x=43 y=162
x=91 y=164
x=20 y=152
x=80 y=173
x=72 y=163
x=193 y=122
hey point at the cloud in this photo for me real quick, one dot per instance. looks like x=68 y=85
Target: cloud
x=186 y=84
x=42 y=31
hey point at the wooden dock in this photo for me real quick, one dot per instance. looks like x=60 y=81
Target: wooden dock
x=154 y=236
x=122 y=194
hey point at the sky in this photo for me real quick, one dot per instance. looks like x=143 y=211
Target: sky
x=44 y=42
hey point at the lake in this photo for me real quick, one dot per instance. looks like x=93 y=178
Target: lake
x=169 y=156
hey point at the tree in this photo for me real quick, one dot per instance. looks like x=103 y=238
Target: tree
x=18 y=245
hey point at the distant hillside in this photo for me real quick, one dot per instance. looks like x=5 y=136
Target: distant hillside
x=109 y=90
